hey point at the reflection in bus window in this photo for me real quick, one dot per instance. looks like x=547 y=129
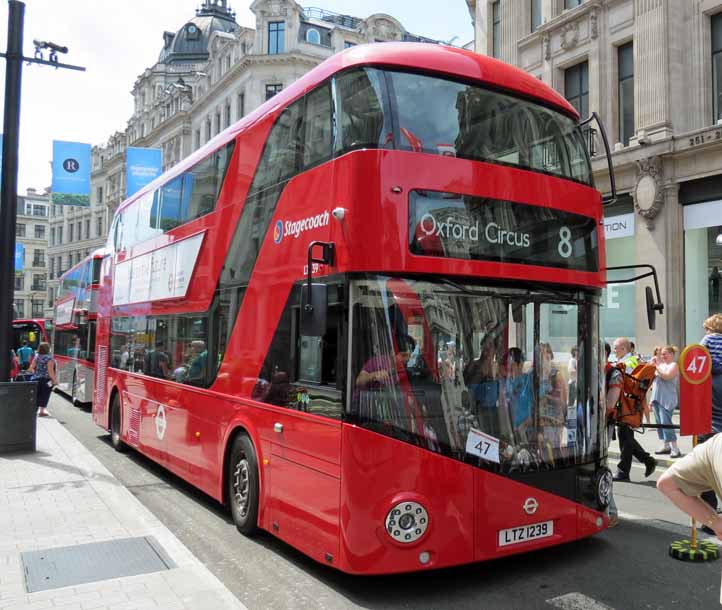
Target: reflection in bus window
x=470 y=371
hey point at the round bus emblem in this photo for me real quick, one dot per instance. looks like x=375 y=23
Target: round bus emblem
x=530 y=506
x=278 y=232
x=160 y=422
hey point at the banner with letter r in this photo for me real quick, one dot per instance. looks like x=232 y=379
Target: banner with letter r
x=71 y=173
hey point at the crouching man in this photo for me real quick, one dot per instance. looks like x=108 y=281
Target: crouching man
x=687 y=479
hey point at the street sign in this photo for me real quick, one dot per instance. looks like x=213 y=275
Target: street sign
x=695 y=390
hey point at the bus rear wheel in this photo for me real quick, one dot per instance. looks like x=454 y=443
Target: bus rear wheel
x=115 y=426
x=243 y=485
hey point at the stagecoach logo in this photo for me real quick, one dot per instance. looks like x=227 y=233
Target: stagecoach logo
x=278 y=232
x=530 y=506
x=160 y=422
x=296 y=227
x=456 y=228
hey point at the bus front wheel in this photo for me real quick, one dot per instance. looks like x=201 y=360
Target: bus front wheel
x=243 y=485
x=115 y=427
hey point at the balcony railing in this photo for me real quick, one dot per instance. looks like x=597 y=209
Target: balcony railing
x=38 y=262
x=39 y=286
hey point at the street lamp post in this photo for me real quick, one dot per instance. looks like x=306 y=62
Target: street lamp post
x=9 y=177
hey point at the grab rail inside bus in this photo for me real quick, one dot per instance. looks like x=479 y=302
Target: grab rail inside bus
x=595 y=117
x=652 y=307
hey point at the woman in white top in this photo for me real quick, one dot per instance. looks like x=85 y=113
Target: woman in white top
x=665 y=398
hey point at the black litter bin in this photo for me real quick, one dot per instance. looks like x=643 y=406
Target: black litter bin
x=18 y=416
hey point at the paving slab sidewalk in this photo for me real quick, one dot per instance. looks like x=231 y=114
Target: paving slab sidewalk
x=62 y=496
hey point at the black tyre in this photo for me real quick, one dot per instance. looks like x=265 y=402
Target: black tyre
x=73 y=390
x=115 y=425
x=243 y=485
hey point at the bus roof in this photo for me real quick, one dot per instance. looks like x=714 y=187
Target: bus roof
x=432 y=58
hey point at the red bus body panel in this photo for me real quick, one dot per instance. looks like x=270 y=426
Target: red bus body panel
x=326 y=486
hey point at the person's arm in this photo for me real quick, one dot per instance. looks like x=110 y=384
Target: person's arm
x=694 y=506
x=365 y=378
x=31 y=367
x=668 y=371
x=613 y=394
x=51 y=372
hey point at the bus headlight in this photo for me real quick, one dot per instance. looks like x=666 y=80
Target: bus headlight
x=603 y=487
x=406 y=522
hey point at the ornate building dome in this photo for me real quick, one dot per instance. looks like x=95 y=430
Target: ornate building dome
x=190 y=43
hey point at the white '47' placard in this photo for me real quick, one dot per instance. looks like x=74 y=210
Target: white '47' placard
x=483 y=445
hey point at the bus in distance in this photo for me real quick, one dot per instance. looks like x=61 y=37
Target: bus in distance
x=75 y=329
x=348 y=316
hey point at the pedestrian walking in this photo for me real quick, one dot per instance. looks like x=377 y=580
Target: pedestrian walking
x=712 y=340
x=665 y=398
x=25 y=356
x=628 y=445
x=43 y=370
x=613 y=389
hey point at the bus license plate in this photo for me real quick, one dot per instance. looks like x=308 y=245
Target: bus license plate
x=534 y=531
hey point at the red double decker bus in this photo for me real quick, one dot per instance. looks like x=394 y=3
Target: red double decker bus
x=351 y=315
x=34 y=331
x=75 y=329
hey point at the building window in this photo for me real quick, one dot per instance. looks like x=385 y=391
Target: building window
x=571 y=3
x=536 y=14
x=496 y=29
x=19 y=282
x=37 y=309
x=99 y=226
x=39 y=231
x=208 y=129
x=20 y=308
x=71 y=227
x=702 y=265
x=625 y=62
x=99 y=194
x=276 y=37
x=313 y=36
x=218 y=123
x=717 y=66
x=576 y=88
x=197 y=138
x=271 y=90
x=226 y=115
x=240 y=106
x=39 y=281
x=60 y=236
x=51 y=296
x=38 y=258
x=347 y=44
x=52 y=236
x=87 y=228
x=20 y=230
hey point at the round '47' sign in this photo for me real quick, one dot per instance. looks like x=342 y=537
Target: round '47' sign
x=695 y=364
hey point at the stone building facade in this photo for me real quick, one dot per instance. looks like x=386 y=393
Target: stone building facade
x=31 y=230
x=652 y=70
x=209 y=74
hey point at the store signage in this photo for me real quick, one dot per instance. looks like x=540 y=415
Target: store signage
x=619 y=226
x=162 y=274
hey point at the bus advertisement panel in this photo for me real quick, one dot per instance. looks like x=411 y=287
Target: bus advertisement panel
x=355 y=331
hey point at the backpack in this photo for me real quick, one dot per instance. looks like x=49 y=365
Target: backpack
x=632 y=402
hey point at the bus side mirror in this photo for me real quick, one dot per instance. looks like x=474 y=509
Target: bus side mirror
x=651 y=309
x=314 y=313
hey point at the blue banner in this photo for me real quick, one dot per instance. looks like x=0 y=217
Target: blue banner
x=71 y=173
x=19 y=257
x=143 y=165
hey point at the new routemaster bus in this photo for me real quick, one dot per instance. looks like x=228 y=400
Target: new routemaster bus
x=34 y=331
x=349 y=316
x=75 y=329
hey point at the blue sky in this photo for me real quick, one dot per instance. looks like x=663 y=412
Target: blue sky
x=116 y=40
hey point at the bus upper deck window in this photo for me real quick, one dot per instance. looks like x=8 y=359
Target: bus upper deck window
x=361 y=119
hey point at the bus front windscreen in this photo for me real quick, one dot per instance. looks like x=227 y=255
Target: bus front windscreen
x=504 y=379
x=435 y=115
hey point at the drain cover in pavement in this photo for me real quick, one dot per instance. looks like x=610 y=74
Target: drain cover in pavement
x=84 y=563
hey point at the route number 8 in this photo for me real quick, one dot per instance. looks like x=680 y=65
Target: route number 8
x=565 y=246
